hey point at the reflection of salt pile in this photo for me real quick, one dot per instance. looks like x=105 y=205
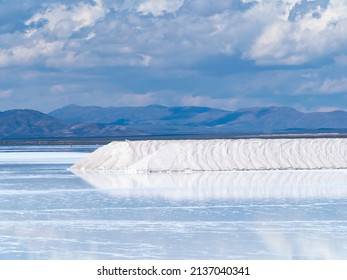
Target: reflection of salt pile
x=222 y=185
x=218 y=155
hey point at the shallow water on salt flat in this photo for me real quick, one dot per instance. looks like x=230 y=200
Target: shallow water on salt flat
x=47 y=212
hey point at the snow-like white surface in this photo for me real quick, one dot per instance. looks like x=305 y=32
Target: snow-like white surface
x=273 y=184
x=218 y=155
x=40 y=157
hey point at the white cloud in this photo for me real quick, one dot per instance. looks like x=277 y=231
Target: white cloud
x=57 y=88
x=26 y=54
x=89 y=34
x=159 y=7
x=48 y=35
x=146 y=60
x=4 y=59
x=62 y=20
x=319 y=85
x=334 y=85
x=296 y=42
x=5 y=93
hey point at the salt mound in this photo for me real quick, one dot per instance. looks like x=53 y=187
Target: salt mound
x=218 y=155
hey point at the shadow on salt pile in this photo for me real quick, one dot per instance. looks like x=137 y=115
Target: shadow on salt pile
x=275 y=184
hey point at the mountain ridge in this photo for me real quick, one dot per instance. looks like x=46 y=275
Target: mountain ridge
x=26 y=123
x=94 y=121
x=264 y=118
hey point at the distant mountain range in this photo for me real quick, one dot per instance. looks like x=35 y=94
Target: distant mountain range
x=19 y=124
x=155 y=120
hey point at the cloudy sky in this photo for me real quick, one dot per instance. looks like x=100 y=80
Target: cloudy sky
x=227 y=53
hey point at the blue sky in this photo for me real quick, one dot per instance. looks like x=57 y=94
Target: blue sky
x=226 y=54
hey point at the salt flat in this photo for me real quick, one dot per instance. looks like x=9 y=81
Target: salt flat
x=47 y=212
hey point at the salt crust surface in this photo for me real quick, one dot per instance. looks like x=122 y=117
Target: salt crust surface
x=40 y=157
x=218 y=155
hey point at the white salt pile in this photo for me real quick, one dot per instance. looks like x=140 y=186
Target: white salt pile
x=218 y=155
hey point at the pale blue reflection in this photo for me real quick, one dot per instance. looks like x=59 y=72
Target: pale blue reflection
x=276 y=184
x=242 y=215
x=47 y=212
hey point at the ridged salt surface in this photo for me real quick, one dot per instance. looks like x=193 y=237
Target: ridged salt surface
x=218 y=155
